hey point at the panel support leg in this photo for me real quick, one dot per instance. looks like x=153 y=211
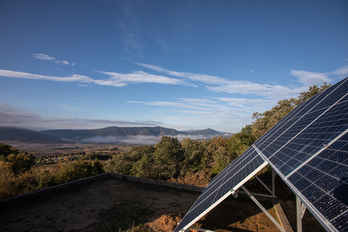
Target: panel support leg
x=263 y=209
x=274 y=175
x=300 y=210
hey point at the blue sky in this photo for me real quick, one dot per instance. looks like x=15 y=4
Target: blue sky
x=177 y=64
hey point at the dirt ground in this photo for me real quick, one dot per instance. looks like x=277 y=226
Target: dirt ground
x=115 y=205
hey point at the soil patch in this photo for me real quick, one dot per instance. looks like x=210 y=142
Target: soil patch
x=122 y=205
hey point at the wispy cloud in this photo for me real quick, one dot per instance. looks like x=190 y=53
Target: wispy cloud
x=308 y=78
x=207 y=79
x=219 y=84
x=211 y=112
x=342 y=71
x=116 y=79
x=11 y=116
x=247 y=87
x=216 y=106
x=248 y=103
x=24 y=75
x=46 y=57
x=138 y=77
x=41 y=56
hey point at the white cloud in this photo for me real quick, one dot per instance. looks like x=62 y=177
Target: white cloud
x=166 y=104
x=215 y=113
x=116 y=79
x=218 y=84
x=199 y=102
x=207 y=79
x=194 y=104
x=143 y=77
x=42 y=56
x=315 y=78
x=24 y=75
x=248 y=103
x=65 y=62
x=247 y=87
x=310 y=78
x=342 y=71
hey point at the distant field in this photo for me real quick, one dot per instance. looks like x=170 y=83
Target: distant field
x=44 y=149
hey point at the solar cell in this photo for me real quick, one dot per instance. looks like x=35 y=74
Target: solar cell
x=308 y=149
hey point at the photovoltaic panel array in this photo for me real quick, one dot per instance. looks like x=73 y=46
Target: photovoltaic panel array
x=308 y=149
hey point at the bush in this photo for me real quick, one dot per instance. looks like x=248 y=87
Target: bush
x=18 y=175
x=21 y=162
x=78 y=170
x=6 y=150
x=13 y=185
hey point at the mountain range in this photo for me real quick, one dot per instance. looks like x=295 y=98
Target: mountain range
x=97 y=135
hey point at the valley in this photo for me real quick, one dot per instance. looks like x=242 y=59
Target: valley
x=48 y=149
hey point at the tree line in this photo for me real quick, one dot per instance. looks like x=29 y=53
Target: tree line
x=187 y=161
x=196 y=162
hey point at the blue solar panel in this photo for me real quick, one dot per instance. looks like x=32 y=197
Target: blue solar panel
x=308 y=149
x=220 y=187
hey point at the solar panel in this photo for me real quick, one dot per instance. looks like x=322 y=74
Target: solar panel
x=223 y=184
x=308 y=149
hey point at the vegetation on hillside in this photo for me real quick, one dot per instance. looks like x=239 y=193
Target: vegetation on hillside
x=189 y=161
x=196 y=162
x=22 y=172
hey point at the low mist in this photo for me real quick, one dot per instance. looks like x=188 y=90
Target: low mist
x=137 y=140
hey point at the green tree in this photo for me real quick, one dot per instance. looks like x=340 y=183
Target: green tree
x=221 y=160
x=168 y=157
x=132 y=162
x=146 y=167
x=143 y=159
x=240 y=142
x=77 y=170
x=195 y=157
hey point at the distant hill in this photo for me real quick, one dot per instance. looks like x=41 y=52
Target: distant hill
x=111 y=131
x=206 y=132
x=25 y=135
x=127 y=131
x=57 y=136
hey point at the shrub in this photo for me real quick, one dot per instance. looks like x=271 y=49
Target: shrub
x=77 y=170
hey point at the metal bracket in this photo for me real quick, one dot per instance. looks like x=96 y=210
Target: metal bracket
x=234 y=193
x=263 y=209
